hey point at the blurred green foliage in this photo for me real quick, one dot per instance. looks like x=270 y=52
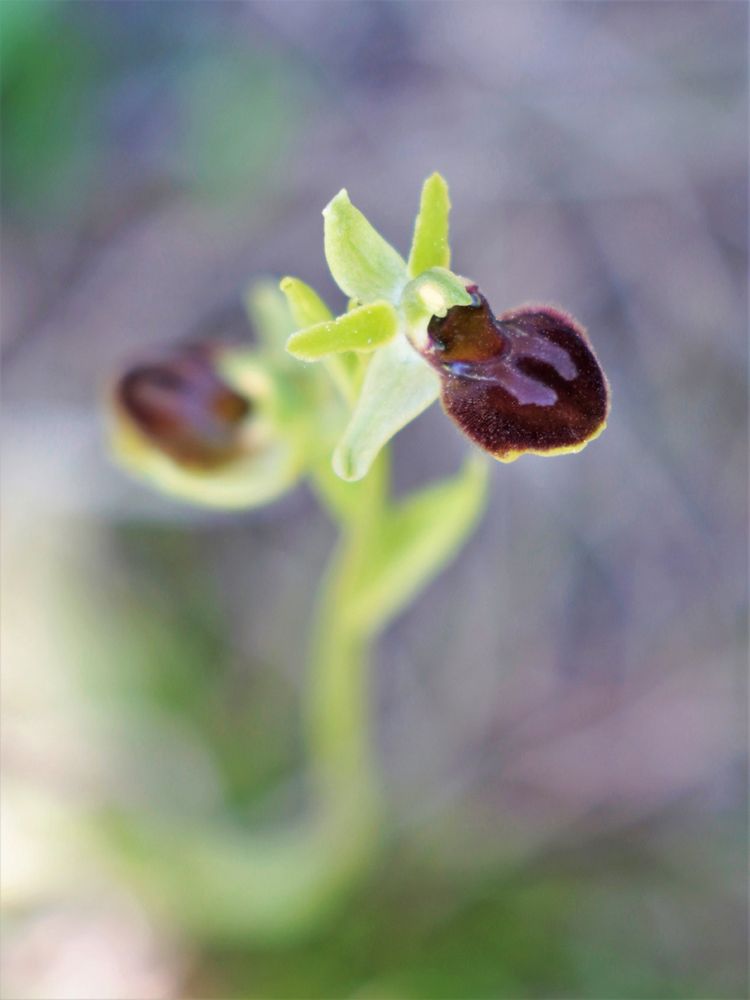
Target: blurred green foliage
x=584 y=920
x=412 y=932
x=169 y=659
x=240 y=109
x=48 y=107
x=81 y=80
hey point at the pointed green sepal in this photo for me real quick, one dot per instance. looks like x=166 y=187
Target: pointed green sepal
x=362 y=329
x=397 y=387
x=305 y=304
x=269 y=314
x=362 y=263
x=430 y=247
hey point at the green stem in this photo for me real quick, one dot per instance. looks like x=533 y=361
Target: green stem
x=339 y=725
x=225 y=881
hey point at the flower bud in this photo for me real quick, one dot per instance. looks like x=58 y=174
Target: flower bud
x=201 y=422
x=182 y=406
x=526 y=381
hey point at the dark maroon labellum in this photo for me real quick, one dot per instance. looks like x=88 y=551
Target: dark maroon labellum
x=525 y=381
x=183 y=406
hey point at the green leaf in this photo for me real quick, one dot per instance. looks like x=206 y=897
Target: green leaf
x=269 y=314
x=305 y=304
x=416 y=541
x=429 y=247
x=397 y=387
x=362 y=329
x=363 y=264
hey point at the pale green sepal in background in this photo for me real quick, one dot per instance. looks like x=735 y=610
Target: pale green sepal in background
x=305 y=304
x=430 y=247
x=250 y=481
x=415 y=542
x=269 y=315
x=397 y=387
x=363 y=264
x=362 y=329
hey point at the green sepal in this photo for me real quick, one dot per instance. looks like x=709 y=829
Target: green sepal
x=430 y=247
x=250 y=481
x=362 y=329
x=397 y=387
x=363 y=264
x=269 y=315
x=415 y=541
x=306 y=306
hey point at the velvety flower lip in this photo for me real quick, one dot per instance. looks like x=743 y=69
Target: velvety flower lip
x=526 y=381
x=184 y=408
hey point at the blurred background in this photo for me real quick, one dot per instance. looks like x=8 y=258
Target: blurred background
x=563 y=743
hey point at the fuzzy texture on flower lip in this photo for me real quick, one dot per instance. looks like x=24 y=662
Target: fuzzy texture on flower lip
x=184 y=408
x=526 y=381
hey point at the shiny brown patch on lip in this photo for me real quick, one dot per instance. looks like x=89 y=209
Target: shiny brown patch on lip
x=526 y=381
x=184 y=408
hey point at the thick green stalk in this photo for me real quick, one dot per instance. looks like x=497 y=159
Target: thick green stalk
x=338 y=719
x=225 y=881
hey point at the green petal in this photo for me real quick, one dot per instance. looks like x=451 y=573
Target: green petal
x=362 y=329
x=363 y=264
x=429 y=247
x=397 y=387
x=305 y=304
x=416 y=541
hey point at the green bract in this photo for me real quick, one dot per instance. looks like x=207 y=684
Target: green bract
x=417 y=538
x=397 y=387
x=390 y=305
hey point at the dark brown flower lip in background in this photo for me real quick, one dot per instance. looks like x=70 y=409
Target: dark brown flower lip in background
x=182 y=406
x=526 y=381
